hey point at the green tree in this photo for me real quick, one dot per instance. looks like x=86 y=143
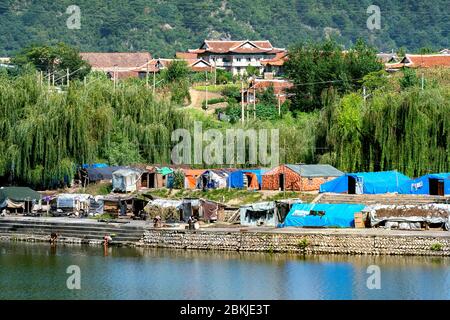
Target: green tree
x=409 y=78
x=315 y=68
x=267 y=96
x=54 y=59
x=252 y=71
x=177 y=71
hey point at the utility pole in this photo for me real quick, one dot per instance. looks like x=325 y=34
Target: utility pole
x=68 y=77
x=114 y=77
x=279 y=105
x=154 y=78
x=53 y=79
x=242 y=102
x=423 y=81
x=206 y=91
x=146 y=76
x=254 y=103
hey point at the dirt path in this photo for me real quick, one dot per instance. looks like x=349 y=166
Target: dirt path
x=197 y=98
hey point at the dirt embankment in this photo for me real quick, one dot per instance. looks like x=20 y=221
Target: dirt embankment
x=197 y=98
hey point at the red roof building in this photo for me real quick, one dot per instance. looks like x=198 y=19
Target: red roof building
x=280 y=89
x=118 y=65
x=236 y=56
x=421 y=61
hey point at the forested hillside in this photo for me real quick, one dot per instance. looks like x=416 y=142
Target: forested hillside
x=162 y=27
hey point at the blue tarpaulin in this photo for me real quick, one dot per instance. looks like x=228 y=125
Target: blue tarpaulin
x=236 y=178
x=422 y=185
x=367 y=182
x=340 y=215
x=94 y=165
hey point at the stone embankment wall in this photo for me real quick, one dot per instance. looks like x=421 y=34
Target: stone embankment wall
x=308 y=243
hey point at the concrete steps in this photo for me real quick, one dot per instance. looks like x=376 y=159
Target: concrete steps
x=66 y=229
x=386 y=199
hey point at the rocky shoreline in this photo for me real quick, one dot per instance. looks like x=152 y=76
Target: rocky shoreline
x=289 y=240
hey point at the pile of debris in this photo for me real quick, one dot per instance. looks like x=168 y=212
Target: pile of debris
x=409 y=217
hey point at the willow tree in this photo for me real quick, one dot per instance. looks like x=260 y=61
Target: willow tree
x=407 y=131
x=45 y=134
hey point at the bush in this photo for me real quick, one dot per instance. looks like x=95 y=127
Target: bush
x=232 y=92
x=213 y=101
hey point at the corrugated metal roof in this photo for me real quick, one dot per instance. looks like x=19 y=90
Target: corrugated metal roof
x=315 y=170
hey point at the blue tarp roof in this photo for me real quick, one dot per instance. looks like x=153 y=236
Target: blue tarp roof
x=340 y=215
x=373 y=182
x=421 y=185
x=102 y=173
x=236 y=178
x=94 y=165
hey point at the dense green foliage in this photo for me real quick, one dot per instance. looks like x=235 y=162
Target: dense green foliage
x=406 y=130
x=55 y=60
x=163 y=27
x=316 y=68
x=45 y=134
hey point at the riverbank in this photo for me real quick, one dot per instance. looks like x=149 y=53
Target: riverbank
x=288 y=240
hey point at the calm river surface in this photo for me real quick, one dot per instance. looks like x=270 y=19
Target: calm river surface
x=37 y=271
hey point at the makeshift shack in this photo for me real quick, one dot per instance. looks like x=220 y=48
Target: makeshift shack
x=268 y=214
x=120 y=205
x=19 y=199
x=126 y=180
x=409 y=217
x=259 y=214
x=96 y=174
x=73 y=203
x=302 y=177
x=212 y=211
x=246 y=179
x=212 y=179
x=436 y=184
x=191 y=177
x=366 y=183
x=159 y=177
x=168 y=210
x=322 y=215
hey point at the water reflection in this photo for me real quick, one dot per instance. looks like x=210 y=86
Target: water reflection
x=37 y=271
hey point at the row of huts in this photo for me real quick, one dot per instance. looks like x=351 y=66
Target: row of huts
x=286 y=177
x=300 y=177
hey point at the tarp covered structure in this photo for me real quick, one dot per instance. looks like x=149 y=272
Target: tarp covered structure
x=191 y=176
x=322 y=215
x=101 y=173
x=250 y=178
x=95 y=165
x=16 y=197
x=366 y=183
x=259 y=214
x=126 y=180
x=73 y=202
x=213 y=179
x=432 y=184
x=409 y=217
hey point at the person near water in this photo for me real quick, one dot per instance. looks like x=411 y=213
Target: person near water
x=107 y=239
x=53 y=237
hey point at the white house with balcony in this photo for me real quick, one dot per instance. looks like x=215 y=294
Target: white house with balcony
x=236 y=56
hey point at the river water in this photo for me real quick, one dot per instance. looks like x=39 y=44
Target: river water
x=39 y=271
